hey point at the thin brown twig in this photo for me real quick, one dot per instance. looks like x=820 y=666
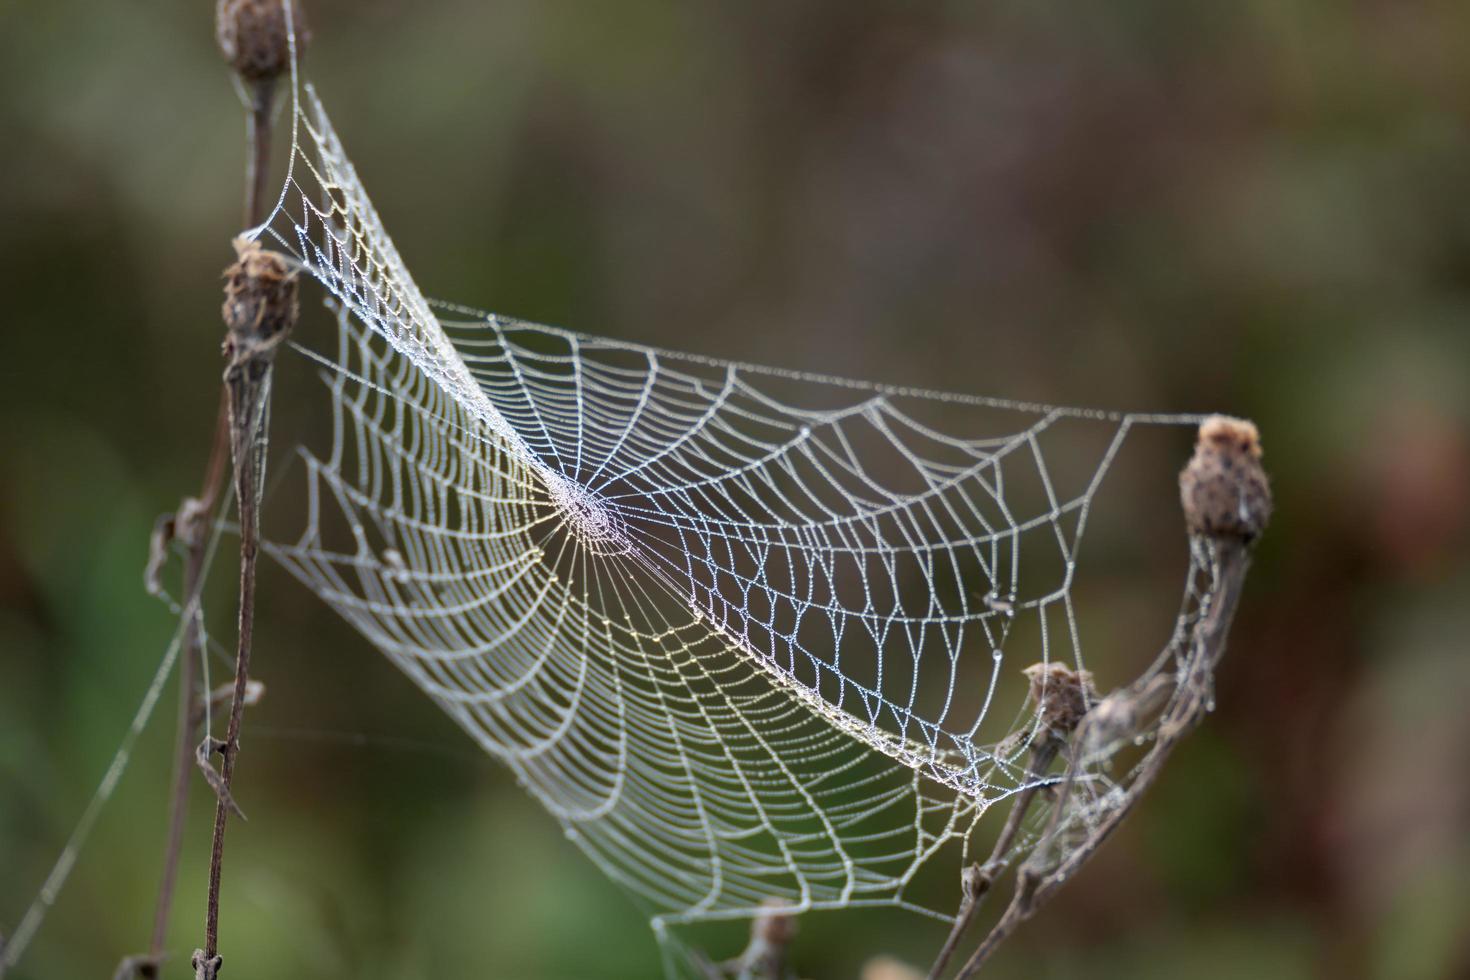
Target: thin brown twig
x=260 y=310
x=257 y=172
x=974 y=883
x=242 y=432
x=260 y=87
x=259 y=39
x=977 y=880
x=258 y=141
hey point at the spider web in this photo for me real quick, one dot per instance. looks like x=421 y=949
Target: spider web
x=741 y=631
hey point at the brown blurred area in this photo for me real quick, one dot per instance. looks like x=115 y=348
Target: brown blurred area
x=1259 y=207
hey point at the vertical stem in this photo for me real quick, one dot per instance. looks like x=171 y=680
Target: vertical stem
x=258 y=149
x=246 y=383
x=257 y=173
x=260 y=309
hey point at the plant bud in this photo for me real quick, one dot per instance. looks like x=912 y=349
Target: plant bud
x=1061 y=695
x=253 y=38
x=261 y=303
x=1224 y=488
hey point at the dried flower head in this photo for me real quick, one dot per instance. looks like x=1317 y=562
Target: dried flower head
x=1061 y=695
x=252 y=36
x=1224 y=488
x=261 y=303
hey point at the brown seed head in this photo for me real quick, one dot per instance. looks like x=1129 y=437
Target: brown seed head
x=1061 y=695
x=252 y=36
x=1224 y=489
x=261 y=303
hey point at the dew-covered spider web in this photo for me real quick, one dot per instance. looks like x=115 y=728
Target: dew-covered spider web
x=747 y=634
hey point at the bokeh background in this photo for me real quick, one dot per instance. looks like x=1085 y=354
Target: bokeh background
x=1255 y=206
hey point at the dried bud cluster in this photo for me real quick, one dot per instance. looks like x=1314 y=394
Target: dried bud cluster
x=252 y=36
x=1224 y=488
x=1061 y=695
x=261 y=303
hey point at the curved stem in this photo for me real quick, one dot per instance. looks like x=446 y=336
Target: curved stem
x=1186 y=709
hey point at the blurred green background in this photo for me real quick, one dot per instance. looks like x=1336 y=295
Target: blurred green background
x=1259 y=207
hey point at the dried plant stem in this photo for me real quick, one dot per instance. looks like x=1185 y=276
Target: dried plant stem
x=1226 y=498
x=258 y=154
x=1187 y=707
x=258 y=40
x=260 y=310
x=243 y=428
x=244 y=394
x=977 y=879
x=257 y=172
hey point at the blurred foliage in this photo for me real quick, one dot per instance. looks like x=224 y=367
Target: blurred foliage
x=1256 y=206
